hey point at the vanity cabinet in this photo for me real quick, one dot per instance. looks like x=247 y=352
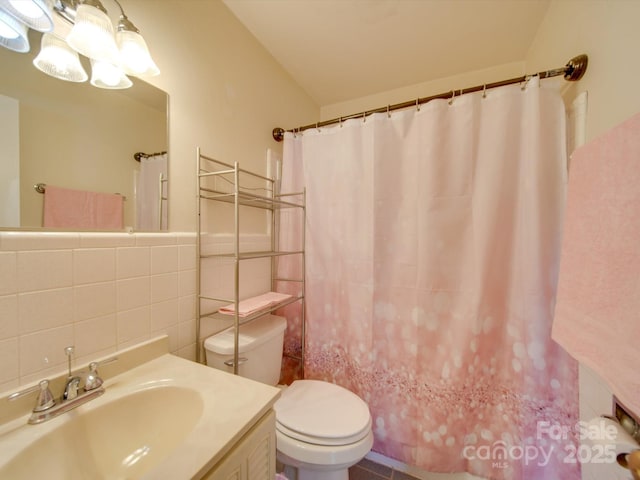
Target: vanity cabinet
x=253 y=457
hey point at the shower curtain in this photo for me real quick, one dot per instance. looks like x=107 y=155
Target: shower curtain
x=432 y=250
x=148 y=193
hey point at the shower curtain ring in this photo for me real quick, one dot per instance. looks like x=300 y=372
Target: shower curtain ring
x=484 y=91
x=388 y=112
x=317 y=128
x=340 y=121
x=418 y=104
x=364 y=117
x=453 y=94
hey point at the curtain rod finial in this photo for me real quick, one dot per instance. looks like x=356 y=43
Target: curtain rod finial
x=278 y=134
x=576 y=68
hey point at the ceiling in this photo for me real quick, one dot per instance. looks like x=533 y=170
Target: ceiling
x=339 y=50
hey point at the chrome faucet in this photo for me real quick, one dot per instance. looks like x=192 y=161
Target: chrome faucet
x=46 y=406
x=73 y=383
x=71 y=388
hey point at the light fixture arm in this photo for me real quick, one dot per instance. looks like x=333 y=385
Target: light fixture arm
x=120 y=7
x=124 y=24
x=94 y=3
x=66 y=9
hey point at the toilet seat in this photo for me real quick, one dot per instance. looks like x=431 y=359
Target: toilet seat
x=323 y=441
x=322 y=413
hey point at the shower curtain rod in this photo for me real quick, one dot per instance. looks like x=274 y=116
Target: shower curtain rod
x=140 y=155
x=572 y=71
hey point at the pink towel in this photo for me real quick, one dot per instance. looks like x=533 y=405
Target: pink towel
x=597 y=315
x=66 y=208
x=255 y=304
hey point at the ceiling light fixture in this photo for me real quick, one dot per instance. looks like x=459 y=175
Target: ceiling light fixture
x=92 y=34
x=13 y=34
x=108 y=75
x=59 y=60
x=134 y=53
x=34 y=14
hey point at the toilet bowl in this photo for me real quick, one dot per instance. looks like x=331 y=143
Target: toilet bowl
x=321 y=428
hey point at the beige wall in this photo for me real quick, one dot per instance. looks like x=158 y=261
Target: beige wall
x=424 y=89
x=226 y=93
x=608 y=32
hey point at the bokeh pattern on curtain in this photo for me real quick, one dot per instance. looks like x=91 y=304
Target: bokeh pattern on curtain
x=432 y=242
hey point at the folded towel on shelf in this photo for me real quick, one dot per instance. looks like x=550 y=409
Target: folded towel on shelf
x=598 y=300
x=67 y=208
x=255 y=304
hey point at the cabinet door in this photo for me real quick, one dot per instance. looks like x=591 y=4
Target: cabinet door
x=253 y=457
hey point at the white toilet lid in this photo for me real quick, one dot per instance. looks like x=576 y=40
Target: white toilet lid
x=322 y=413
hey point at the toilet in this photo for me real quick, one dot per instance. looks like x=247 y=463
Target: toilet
x=321 y=428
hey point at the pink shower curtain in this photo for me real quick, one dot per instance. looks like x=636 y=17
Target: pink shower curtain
x=432 y=249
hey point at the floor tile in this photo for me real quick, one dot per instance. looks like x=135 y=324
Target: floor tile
x=358 y=473
x=374 y=467
x=401 y=476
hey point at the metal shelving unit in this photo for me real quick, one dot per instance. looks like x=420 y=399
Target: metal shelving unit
x=228 y=179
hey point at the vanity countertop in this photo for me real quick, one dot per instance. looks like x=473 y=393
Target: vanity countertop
x=227 y=408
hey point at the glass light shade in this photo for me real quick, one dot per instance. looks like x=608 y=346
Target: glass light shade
x=36 y=14
x=13 y=34
x=134 y=54
x=108 y=75
x=59 y=60
x=92 y=35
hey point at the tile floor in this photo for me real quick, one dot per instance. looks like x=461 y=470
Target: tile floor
x=368 y=470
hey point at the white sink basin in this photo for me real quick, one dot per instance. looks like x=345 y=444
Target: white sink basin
x=165 y=419
x=121 y=439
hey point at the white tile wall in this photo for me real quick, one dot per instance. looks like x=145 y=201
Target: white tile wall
x=98 y=291
x=217 y=275
x=106 y=291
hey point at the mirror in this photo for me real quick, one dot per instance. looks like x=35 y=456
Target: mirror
x=74 y=136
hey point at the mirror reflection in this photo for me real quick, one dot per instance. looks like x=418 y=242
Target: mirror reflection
x=78 y=137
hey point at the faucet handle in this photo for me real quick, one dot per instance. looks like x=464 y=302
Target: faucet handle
x=93 y=380
x=45 y=398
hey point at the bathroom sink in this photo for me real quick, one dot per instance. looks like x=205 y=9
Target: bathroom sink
x=165 y=418
x=123 y=438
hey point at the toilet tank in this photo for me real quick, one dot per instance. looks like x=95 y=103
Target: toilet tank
x=260 y=343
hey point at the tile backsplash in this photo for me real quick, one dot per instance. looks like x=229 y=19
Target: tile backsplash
x=98 y=291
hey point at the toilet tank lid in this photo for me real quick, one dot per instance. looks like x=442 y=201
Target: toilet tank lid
x=252 y=335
